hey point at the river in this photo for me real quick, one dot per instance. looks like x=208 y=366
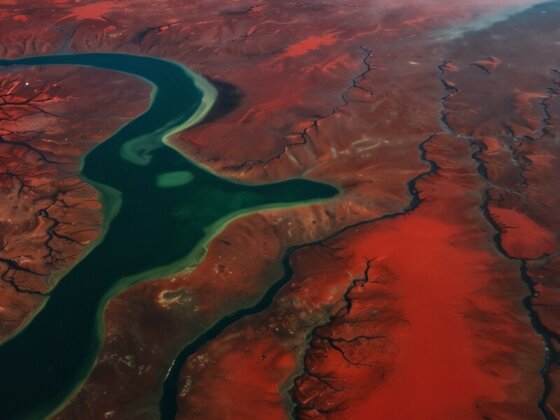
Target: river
x=162 y=208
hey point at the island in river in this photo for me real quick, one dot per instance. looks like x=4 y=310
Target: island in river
x=383 y=301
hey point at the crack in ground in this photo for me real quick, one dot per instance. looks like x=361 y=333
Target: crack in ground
x=304 y=134
x=13 y=267
x=551 y=357
x=54 y=254
x=553 y=91
x=27 y=146
x=316 y=334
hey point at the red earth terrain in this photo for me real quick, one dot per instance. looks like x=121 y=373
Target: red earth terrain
x=386 y=327
x=428 y=288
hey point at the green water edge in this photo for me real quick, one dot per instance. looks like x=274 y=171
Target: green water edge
x=111 y=202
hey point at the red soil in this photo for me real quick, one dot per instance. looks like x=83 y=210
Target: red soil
x=489 y=64
x=521 y=237
x=92 y=11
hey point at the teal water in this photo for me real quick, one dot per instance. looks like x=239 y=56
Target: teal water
x=168 y=203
